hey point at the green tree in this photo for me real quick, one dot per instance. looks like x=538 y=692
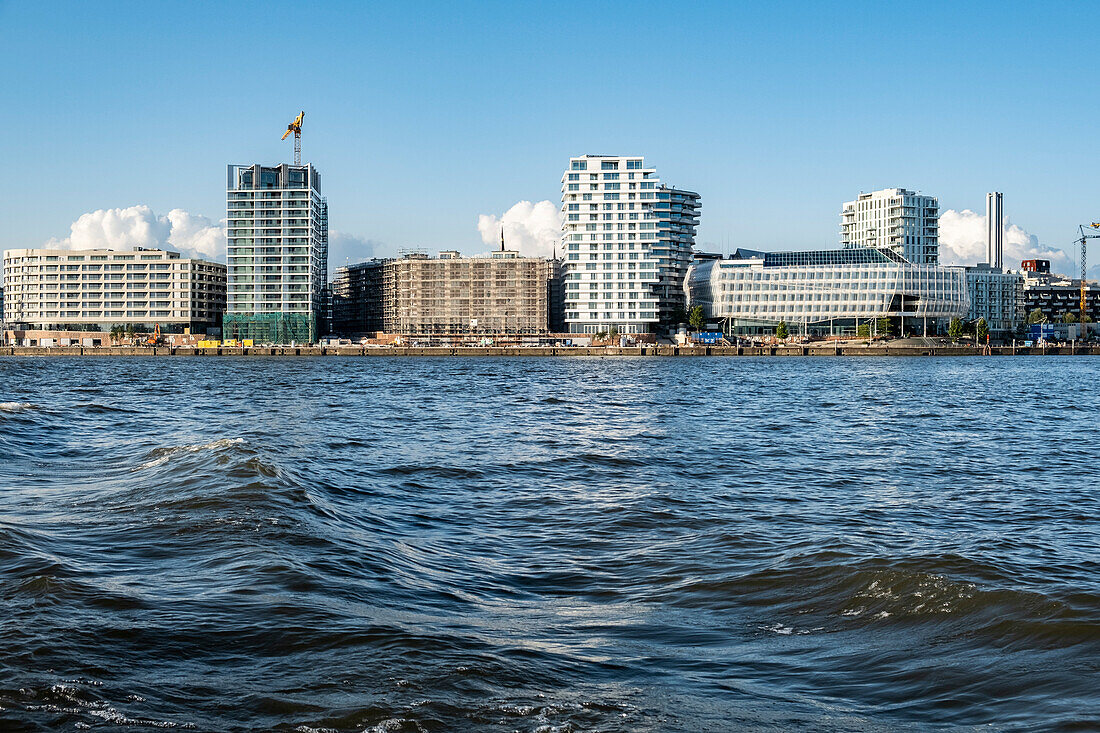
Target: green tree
x=695 y=318
x=1036 y=316
x=884 y=327
x=955 y=329
x=863 y=330
x=678 y=315
x=1086 y=318
x=130 y=332
x=981 y=329
x=1068 y=317
x=613 y=333
x=781 y=331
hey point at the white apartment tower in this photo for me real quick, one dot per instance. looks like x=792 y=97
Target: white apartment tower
x=277 y=253
x=627 y=242
x=906 y=222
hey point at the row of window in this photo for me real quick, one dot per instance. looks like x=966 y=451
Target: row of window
x=80 y=258
x=608 y=316
x=106 y=314
x=606 y=165
x=575 y=256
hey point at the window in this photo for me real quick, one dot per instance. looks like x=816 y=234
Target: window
x=578 y=165
x=609 y=165
x=633 y=165
x=574 y=176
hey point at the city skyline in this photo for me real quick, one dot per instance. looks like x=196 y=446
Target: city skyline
x=460 y=108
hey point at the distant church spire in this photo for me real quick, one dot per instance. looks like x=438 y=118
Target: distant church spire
x=501 y=237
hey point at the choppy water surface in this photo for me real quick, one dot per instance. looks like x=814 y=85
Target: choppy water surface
x=549 y=544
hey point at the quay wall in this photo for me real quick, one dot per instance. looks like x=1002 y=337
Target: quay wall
x=659 y=351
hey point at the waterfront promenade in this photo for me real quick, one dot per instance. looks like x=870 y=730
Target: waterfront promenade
x=564 y=351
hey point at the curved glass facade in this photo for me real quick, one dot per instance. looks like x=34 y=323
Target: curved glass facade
x=827 y=285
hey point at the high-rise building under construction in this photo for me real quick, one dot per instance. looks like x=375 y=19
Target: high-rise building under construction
x=277 y=252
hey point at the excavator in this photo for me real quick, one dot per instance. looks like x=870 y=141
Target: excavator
x=154 y=339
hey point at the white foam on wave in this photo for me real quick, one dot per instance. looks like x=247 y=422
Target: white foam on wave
x=393 y=724
x=15 y=406
x=114 y=717
x=168 y=454
x=783 y=630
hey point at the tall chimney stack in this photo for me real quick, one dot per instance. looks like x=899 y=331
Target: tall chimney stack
x=995 y=227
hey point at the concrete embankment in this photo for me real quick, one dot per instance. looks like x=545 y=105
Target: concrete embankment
x=810 y=350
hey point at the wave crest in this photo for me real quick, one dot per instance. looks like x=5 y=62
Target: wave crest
x=160 y=456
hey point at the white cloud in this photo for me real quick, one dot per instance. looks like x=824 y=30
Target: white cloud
x=139 y=226
x=344 y=248
x=962 y=242
x=534 y=229
x=194 y=234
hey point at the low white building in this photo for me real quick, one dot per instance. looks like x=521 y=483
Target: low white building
x=826 y=290
x=95 y=289
x=997 y=296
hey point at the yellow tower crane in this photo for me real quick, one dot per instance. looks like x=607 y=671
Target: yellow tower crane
x=1083 y=240
x=296 y=128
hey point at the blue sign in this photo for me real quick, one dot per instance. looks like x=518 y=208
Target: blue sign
x=1043 y=332
x=710 y=337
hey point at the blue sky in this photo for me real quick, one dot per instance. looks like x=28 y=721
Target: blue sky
x=421 y=116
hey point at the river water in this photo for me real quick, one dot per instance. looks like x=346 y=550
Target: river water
x=527 y=544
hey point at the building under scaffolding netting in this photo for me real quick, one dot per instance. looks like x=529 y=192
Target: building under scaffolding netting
x=825 y=291
x=270 y=328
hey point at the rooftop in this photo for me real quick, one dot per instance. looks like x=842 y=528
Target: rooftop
x=854 y=256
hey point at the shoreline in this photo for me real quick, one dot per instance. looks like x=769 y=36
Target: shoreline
x=543 y=351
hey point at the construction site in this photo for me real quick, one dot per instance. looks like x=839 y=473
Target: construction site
x=499 y=296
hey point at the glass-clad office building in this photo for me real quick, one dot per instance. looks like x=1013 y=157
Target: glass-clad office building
x=825 y=290
x=277 y=253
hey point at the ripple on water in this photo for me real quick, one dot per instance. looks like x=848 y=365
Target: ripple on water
x=547 y=545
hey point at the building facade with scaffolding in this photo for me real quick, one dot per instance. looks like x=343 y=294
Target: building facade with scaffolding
x=500 y=294
x=825 y=291
x=357 y=298
x=277 y=237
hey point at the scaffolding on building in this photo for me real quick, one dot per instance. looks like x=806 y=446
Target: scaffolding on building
x=452 y=295
x=270 y=328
